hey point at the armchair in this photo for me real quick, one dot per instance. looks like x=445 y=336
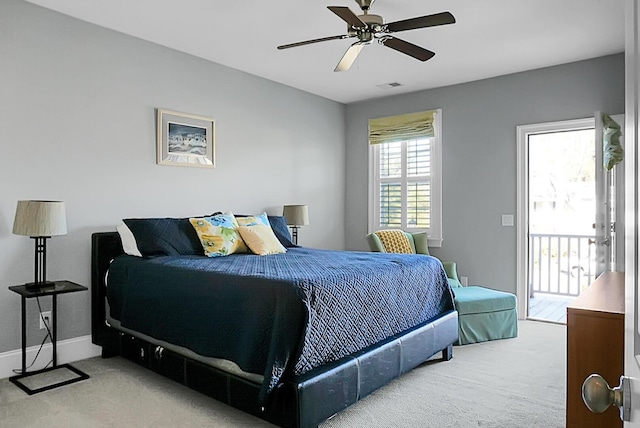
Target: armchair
x=418 y=242
x=483 y=313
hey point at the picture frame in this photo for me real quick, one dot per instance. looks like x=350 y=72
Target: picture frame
x=185 y=139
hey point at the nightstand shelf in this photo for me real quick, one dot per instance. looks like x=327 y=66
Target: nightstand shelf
x=58 y=287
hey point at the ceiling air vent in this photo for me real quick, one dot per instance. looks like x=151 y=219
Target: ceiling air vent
x=389 y=85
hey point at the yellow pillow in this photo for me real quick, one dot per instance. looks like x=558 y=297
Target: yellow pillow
x=261 y=240
x=395 y=241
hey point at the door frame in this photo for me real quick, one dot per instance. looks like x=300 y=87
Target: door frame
x=632 y=181
x=522 y=199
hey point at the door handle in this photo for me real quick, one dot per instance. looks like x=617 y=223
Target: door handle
x=598 y=396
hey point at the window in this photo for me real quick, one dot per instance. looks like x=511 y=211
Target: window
x=405 y=175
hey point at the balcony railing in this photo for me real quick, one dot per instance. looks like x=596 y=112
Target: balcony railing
x=561 y=264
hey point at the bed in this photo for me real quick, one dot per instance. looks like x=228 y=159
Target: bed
x=282 y=355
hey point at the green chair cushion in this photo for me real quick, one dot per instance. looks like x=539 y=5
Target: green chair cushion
x=454 y=283
x=420 y=241
x=477 y=300
x=452 y=274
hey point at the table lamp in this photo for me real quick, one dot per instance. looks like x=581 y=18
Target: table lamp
x=40 y=220
x=296 y=215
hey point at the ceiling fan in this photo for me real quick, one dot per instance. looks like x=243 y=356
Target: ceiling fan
x=368 y=27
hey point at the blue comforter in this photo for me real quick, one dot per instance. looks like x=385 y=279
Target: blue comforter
x=277 y=314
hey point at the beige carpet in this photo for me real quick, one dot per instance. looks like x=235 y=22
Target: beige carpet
x=507 y=383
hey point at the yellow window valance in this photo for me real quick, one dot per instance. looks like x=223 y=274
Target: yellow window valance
x=402 y=127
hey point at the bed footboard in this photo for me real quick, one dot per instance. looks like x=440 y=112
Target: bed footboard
x=331 y=388
x=302 y=401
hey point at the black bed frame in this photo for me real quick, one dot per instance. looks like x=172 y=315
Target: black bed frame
x=301 y=401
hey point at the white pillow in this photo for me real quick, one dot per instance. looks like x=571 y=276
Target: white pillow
x=129 y=244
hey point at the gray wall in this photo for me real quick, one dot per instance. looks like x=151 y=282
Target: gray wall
x=479 y=154
x=77 y=121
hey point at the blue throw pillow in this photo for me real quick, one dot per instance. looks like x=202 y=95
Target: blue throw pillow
x=165 y=236
x=279 y=225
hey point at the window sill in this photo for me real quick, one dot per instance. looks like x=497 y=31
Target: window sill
x=434 y=243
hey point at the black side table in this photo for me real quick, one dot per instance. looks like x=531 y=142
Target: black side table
x=59 y=287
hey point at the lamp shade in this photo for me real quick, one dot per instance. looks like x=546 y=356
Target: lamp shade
x=296 y=215
x=40 y=218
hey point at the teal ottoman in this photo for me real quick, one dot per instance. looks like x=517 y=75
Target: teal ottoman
x=484 y=314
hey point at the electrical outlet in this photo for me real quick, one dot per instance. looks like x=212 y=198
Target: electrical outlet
x=46 y=315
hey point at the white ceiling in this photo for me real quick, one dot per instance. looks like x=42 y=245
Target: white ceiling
x=490 y=38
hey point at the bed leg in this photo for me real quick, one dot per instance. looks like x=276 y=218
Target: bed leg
x=108 y=353
x=447 y=353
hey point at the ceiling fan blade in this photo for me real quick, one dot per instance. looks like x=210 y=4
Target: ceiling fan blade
x=308 y=42
x=349 y=56
x=407 y=48
x=347 y=16
x=443 y=18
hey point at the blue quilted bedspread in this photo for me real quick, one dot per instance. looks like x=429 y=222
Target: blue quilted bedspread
x=277 y=314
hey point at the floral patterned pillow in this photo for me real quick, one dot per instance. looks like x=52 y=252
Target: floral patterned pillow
x=252 y=220
x=219 y=235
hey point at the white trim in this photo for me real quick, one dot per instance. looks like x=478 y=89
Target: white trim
x=70 y=350
x=522 y=221
x=371 y=189
x=522 y=197
x=435 y=240
x=632 y=201
x=374 y=183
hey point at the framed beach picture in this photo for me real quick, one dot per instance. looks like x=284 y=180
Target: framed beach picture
x=185 y=140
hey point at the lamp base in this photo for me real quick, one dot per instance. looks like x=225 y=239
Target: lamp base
x=35 y=286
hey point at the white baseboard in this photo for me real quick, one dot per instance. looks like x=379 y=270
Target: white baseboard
x=70 y=350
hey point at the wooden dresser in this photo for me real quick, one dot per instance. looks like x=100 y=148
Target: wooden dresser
x=595 y=344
